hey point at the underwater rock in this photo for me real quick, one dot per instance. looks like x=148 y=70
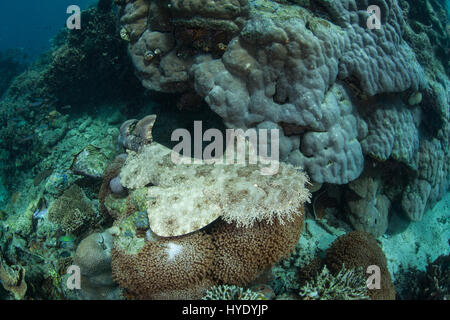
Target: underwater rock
x=90 y=162
x=93 y=256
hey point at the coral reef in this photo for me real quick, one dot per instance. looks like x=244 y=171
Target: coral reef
x=431 y=284
x=153 y=267
x=87 y=60
x=363 y=118
x=161 y=61
x=368 y=205
x=345 y=285
x=183 y=254
x=392 y=132
x=340 y=94
x=73 y=75
x=73 y=211
x=93 y=256
x=237 y=193
x=243 y=253
x=13 y=279
x=225 y=292
x=163 y=265
x=359 y=249
x=11 y=64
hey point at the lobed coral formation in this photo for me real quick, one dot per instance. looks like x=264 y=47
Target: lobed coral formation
x=340 y=93
x=162 y=62
x=367 y=204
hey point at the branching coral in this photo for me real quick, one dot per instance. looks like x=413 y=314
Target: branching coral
x=225 y=292
x=83 y=66
x=345 y=285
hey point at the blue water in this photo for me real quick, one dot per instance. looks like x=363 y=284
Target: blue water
x=29 y=24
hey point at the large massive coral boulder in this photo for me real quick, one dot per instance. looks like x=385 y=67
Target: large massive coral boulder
x=338 y=91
